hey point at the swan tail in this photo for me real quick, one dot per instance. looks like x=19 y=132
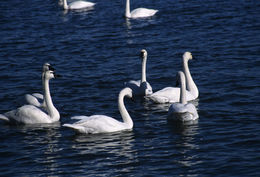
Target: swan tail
x=75 y=127
x=4 y=118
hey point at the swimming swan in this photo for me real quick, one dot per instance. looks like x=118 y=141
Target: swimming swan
x=139 y=12
x=77 y=5
x=172 y=94
x=104 y=124
x=182 y=111
x=29 y=114
x=33 y=99
x=141 y=87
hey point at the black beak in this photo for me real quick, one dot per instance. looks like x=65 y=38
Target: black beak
x=57 y=75
x=51 y=68
x=142 y=54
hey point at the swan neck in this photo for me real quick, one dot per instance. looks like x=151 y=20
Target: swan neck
x=127 y=9
x=44 y=102
x=125 y=115
x=65 y=4
x=191 y=86
x=144 y=70
x=52 y=111
x=183 y=90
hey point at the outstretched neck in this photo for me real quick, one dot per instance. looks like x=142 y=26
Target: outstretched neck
x=191 y=86
x=144 y=70
x=65 y=4
x=52 y=111
x=127 y=9
x=125 y=115
x=183 y=89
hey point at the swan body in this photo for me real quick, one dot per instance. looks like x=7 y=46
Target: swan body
x=139 y=12
x=29 y=114
x=182 y=111
x=172 y=94
x=104 y=124
x=77 y=5
x=37 y=99
x=141 y=87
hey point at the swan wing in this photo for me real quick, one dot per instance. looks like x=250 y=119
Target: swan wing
x=32 y=100
x=80 y=4
x=182 y=112
x=28 y=114
x=96 y=124
x=143 y=12
x=169 y=95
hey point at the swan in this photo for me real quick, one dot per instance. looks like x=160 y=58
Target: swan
x=141 y=87
x=139 y=12
x=172 y=94
x=29 y=114
x=182 y=111
x=104 y=124
x=77 y=5
x=33 y=99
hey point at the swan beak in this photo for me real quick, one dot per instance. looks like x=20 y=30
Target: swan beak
x=51 y=68
x=57 y=75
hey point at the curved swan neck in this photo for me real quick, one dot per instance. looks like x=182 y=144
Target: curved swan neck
x=43 y=83
x=183 y=88
x=65 y=4
x=52 y=111
x=125 y=115
x=191 y=86
x=144 y=69
x=127 y=9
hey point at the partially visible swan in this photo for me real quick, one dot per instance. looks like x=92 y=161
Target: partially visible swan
x=139 y=12
x=29 y=114
x=141 y=87
x=104 y=124
x=182 y=111
x=34 y=98
x=77 y=5
x=172 y=94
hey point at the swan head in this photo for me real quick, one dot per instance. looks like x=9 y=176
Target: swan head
x=50 y=75
x=127 y=92
x=143 y=53
x=145 y=89
x=187 y=56
x=47 y=67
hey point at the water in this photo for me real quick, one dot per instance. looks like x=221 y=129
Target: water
x=97 y=51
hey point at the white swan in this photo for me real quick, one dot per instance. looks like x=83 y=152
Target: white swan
x=104 y=124
x=182 y=111
x=77 y=5
x=139 y=12
x=141 y=87
x=33 y=99
x=29 y=114
x=172 y=94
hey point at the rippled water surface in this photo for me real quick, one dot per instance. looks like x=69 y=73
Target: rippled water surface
x=96 y=51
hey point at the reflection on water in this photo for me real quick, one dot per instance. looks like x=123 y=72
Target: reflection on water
x=186 y=144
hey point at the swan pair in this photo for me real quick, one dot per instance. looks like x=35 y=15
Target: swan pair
x=31 y=114
x=172 y=94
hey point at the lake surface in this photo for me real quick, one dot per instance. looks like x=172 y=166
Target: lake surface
x=96 y=51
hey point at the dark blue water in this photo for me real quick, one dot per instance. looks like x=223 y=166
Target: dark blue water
x=97 y=51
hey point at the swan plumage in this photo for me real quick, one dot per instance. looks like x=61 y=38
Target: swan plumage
x=139 y=12
x=104 y=124
x=172 y=94
x=141 y=87
x=30 y=114
x=37 y=99
x=182 y=111
x=77 y=5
